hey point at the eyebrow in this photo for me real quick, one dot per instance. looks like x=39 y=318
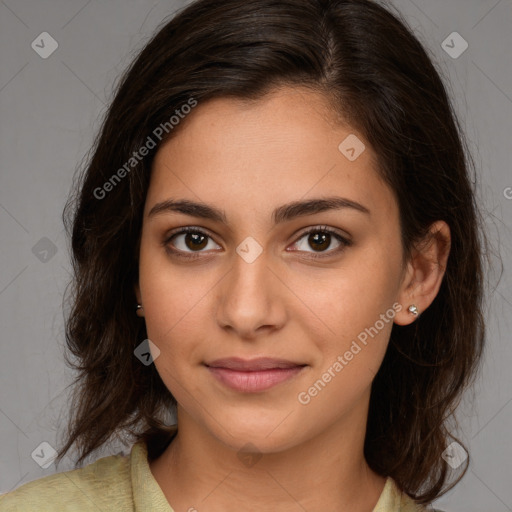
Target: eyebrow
x=281 y=214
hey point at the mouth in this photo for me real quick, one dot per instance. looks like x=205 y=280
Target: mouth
x=255 y=375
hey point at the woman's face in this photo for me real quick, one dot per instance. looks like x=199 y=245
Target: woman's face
x=255 y=284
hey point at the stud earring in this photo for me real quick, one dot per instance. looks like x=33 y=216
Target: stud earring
x=139 y=309
x=413 y=310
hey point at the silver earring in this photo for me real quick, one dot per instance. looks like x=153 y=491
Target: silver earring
x=413 y=310
x=139 y=306
x=139 y=310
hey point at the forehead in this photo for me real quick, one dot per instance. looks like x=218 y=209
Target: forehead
x=254 y=155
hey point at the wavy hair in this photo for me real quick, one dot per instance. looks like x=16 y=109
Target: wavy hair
x=378 y=78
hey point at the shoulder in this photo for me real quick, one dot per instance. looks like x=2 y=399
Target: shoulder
x=102 y=485
x=393 y=500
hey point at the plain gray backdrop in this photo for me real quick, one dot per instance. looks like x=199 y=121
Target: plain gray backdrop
x=50 y=109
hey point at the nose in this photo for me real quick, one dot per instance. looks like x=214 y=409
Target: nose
x=250 y=299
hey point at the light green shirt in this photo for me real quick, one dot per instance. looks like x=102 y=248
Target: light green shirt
x=125 y=483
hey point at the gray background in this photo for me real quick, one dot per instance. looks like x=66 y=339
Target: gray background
x=51 y=108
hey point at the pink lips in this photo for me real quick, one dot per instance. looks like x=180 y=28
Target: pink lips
x=254 y=375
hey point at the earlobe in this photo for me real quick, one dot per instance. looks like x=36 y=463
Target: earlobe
x=425 y=273
x=139 y=308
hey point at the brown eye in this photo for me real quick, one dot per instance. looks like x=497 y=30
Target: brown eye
x=189 y=240
x=320 y=240
x=195 y=241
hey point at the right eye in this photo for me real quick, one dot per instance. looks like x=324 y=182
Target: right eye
x=187 y=241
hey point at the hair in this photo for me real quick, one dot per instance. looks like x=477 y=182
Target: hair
x=377 y=77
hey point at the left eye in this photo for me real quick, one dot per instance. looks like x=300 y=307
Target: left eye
x=192 y=240
x=320 y=239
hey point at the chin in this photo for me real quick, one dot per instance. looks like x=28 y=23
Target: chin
x=255 y=434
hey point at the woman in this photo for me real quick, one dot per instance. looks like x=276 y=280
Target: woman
x=276 y=239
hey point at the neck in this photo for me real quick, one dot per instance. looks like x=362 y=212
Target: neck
x=326 y=472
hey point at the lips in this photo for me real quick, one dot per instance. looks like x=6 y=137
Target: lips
x=252 y=365
x=255 y=375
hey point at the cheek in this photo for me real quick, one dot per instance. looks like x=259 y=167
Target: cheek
x=352 y=297
x=169 y=292
x=175 y=323
x=179 y=316
x=355 y=304
x=175 y=315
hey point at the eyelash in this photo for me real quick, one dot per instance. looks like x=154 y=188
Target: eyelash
x=316 y=229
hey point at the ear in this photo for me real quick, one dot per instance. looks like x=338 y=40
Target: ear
x=424 y=273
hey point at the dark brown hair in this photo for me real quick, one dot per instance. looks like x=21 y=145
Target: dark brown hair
x=377 y=76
